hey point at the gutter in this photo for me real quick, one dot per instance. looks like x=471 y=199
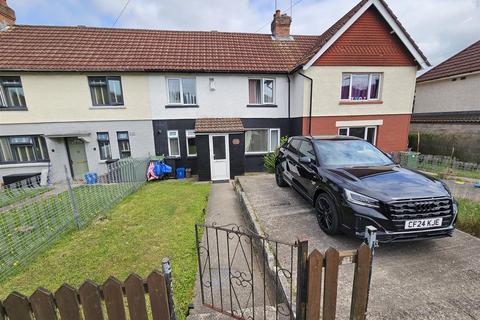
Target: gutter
x=310 y=112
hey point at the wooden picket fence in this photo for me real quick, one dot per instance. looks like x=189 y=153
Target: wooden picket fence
x=322 y=304
x=93 y=302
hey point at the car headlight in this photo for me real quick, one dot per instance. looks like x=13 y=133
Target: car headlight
x=361 y=199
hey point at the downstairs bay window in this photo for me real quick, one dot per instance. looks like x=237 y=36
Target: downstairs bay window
x=360 y=86
x=260 y=141
x=20 y=149
x=366 y=133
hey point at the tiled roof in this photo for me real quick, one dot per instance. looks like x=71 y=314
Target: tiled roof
x=48 y=48
x=327 y=35
x=209 y=125
x=466 y=61
x=41 y=48
x=447 y=117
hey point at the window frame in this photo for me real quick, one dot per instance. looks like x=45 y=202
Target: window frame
x=119 y=140
x=189 y=134
x=262 y=86
x=109 y=145
x=269 y=146
x=34 y=144
x=177 y=136
x=181 y=103
x=107 y=78
x=3 y=96
x=370 y=75
x=365 y=136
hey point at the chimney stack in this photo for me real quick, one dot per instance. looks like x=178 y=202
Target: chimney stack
x=7 y=15
x=281 y=26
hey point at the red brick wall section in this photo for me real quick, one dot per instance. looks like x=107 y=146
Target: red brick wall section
x=368 y=42
x=391 y=136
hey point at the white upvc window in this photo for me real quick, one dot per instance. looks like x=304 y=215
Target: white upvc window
x=367 y=133
x=181 y=91
x=173 y=143
x=261 y=91
x=259 y=141
x=360 y=86
x=191 y=143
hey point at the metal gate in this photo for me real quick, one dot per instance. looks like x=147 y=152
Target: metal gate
x=245 y=275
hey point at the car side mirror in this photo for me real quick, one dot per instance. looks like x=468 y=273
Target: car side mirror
x=305 y=160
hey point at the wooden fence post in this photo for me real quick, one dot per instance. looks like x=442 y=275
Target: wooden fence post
x=332 y=257
x=302 y=280
x=314 y=297
x=361 y=283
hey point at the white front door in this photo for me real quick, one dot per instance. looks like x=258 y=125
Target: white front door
x=219 y=157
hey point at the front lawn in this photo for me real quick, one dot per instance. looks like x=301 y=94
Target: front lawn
x=469 y=216
x=154 y=222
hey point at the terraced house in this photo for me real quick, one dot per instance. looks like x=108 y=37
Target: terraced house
x=215 y=102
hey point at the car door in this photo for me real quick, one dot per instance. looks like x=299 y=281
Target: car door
x=291 y=156
x=307 y=172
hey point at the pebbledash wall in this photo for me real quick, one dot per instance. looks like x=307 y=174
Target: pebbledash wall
x=226 y=98
x=391 y=114
x=60 y=104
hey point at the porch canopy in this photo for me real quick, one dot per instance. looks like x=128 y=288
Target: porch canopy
x=218 y=125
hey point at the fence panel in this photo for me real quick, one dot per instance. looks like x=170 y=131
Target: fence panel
x=97 y=302
x=28 y=226
x=325 y=308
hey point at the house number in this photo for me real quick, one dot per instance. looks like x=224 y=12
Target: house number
x=236 y=141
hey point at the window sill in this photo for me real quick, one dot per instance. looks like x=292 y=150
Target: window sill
x=182 y=106
x=262 y=106
x=107 y=107
x=173 y=157
x=361 y=102
x=262 y=153
x=25 y=164
x=13 y=109
x=192 y=157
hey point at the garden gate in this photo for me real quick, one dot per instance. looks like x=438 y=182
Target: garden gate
x=248 y=276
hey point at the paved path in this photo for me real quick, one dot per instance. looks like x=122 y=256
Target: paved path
x=433 y=279
x=466 y=190
x=223 y=209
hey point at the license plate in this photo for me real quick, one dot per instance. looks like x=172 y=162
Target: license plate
x=423 y=223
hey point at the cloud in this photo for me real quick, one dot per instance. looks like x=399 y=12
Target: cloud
x=440 y=27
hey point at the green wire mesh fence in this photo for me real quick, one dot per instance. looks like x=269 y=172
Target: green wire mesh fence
x=32 y=224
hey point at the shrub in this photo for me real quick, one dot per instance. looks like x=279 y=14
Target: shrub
x=269 y=158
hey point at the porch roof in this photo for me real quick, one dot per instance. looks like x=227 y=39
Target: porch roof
x=212 y=125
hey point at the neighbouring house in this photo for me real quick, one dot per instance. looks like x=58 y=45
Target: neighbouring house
x=447 y=107
x=215 y=102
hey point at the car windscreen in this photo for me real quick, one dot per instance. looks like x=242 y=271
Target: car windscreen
x=350 y=153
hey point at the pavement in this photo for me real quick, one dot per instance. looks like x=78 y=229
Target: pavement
x=224 y=210
x=431 y=279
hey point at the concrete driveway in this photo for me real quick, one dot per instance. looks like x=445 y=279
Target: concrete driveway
x=432 y=279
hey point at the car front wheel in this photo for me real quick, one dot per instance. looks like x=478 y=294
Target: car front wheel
x=327 y=215
x=279 y=176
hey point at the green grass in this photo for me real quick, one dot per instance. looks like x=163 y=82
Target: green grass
x=443 y=170
x=469 y=216
x=9 y=196
x=154 y=222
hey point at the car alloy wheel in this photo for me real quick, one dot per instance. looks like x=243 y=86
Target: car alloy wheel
x=279 y=177
x=326 y=214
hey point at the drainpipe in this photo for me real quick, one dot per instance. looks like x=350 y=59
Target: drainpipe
x=289 y=120
x=310 y=112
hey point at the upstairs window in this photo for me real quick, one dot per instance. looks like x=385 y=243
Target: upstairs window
x=104 y=145
x=11 y=93
x=261 y=91
x=123 y=144
x=18 y=149
x=361 y=86
x=106 y=91
x=181 y=91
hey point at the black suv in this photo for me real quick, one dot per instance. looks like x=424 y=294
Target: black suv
x=352 y=184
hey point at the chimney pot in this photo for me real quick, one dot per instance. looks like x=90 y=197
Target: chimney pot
x=7 y=15
x=281 y=25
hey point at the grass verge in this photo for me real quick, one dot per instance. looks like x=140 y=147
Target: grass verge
x=154 y=222
x=469 y=216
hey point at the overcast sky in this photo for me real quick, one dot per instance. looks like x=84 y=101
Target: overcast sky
x=440 y=27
